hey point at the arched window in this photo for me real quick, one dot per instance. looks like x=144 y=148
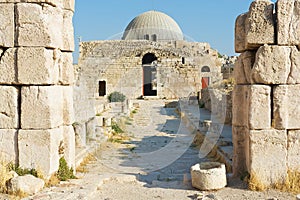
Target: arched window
x=148 y=58
x=205 y=69
x=146 y=37
x=154 y=37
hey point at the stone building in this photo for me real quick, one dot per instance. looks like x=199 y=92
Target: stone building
x=152 y=59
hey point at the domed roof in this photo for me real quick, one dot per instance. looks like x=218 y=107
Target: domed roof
x=154 y=26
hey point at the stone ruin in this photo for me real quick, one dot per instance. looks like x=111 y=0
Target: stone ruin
x=266 y=111
x=36 y=83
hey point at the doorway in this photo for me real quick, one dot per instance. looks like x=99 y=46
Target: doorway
x=205 y=82
x=149 y=75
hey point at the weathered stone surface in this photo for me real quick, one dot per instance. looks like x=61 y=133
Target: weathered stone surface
x=66 y=71
x=259 y=107
x=288 y=22
x=8 y=145
x=272 y=65
x=80 y=134
x=9 y=116
x=27 y=184
x=260 y=25
x=69 y=145
x=41 y=107
x=240 y=140
x=243 y=67
x=240 y=34
x=7 y=66
x=91 y=128
x=68 y=109
x=293 y=150
x=294 y=76
x=286 y=107
x=209 y=176
x=69 y=5
x=39 y=149
x=267 y=169
x=7 y=22
x=37 y=66
x=38 y=25
x=68 y=31
x=240 y=106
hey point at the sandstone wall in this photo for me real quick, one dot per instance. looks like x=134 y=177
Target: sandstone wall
x=266 y=110
x=36 y=78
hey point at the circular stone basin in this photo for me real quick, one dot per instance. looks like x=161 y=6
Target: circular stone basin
x=298 y=197
x=209 y=176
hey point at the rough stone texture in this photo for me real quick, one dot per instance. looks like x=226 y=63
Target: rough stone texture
x=9 y=113
x=272 y=65
x=66 y=71
x=7 y=66
x=240 y=106
x=39 y=25
x=8 y=145
x=7 y=29
x=209 y=176
x=68 y=107
x=294 y=76
x=243 y=67
x=286 y=109
x=80 y=134
x=69 y=145
x=39 y=149
x=293 y=150
x=240 y=34
x=266 y=168
x=69 y=5
x=90 y=128
x=288 y=22
x=27 y=184
x=68 y=31
x=37 y=66
x=240 y=140
x=41 y=107
x=260 y=25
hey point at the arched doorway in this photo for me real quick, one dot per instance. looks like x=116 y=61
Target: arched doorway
x=149 y=75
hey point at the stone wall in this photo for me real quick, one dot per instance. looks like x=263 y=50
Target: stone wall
x=266 y=110
x=36 y=78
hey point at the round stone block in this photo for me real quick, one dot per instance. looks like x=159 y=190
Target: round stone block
x=209 y=176
x=298 y=197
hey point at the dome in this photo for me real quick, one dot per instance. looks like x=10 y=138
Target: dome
x=154 y=26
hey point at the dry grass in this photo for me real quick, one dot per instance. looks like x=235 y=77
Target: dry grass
x=82 y=167
x=255 y=184
x=4 y=176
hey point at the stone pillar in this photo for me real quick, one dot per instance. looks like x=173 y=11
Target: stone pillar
x=36 y=78
x=266 y=111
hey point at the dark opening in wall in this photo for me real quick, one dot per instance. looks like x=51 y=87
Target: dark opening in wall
x=183 y=60
x=205 y=69
x=146 y=37
x=102 y=88
x=154 y=37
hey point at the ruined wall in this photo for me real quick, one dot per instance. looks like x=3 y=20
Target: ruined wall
x=266 y=112
x=36 y=77
x=119 y=63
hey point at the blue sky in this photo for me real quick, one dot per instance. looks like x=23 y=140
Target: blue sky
x=209 y=21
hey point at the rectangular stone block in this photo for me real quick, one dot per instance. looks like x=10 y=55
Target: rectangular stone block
x=240 y=35
x=243 y=67
x=68 y=31
x=268 y=156
x=9 y=108
x=80 y=134
x=68 y=106
x=7 y=25
x=69 y=5
x=260 y=24
x=240 y=140
x=38 y=25
x=288 y=22
x=37 y=65
x=8 y=145
x=272 y=65
x=8 y=66
x=293 y=150
x=69 y=145
x=41 y=107
x=39 y=149
x=294 y=76
x=286 y=109
x=66 y=71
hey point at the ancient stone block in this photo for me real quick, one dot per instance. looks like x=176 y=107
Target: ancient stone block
x=66 y=71
x=293 y=150
x=37 y=66
x=27 y=184
x=7 y=25
x=240 y=34
x=260 y=25
x=38 y=25
x=240 y=140
x=240 y=106
x=69 y=5
x=7 y=66
x=286 y=109
x=288 y=22
x=39 y=149
x=268 y=169
x=90 y=129
x=294 y=76
x=68 y=31
x=9 y=116
x=272 y=65
x=243 y=67
x=8 y=145
x=69 y=145
x=68 y=109
x=41 y=107
x=80 y=134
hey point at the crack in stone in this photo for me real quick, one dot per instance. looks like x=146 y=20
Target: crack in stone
x=3 y=50
x=4 y=113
